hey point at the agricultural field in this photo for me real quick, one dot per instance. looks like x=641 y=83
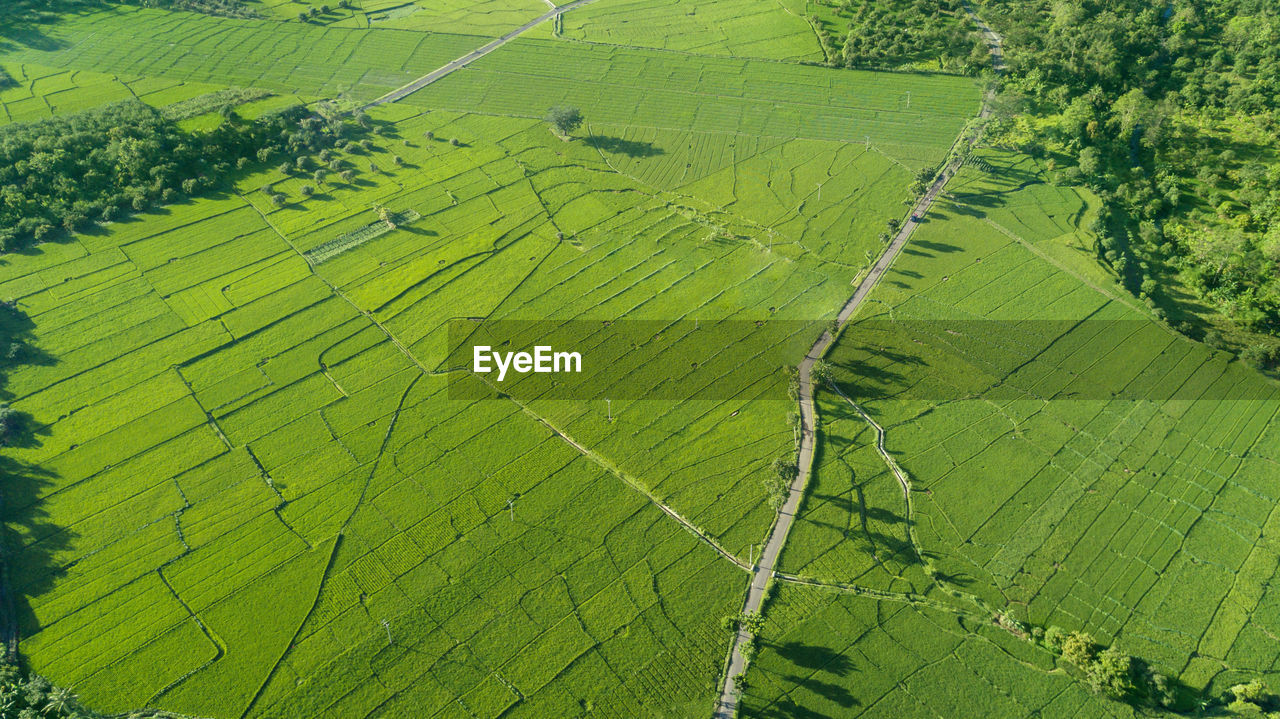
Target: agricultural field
x=837 y=654
x=242 y=400
x=250 y=473
x=777 y=31
x=1077 y=465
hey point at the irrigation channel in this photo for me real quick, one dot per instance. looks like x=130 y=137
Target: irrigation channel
x=763 y=571
x=727 y=706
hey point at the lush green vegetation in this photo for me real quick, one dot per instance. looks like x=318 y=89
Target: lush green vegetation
x=251 y=379
x=69 y=172
x=1143 y=520
x=243 y=477
x=1170 y=114
x=741 y=28
x=899 y=34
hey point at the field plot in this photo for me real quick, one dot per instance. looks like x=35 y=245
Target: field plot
x=249 y=392
x=830 y=654
x=42 y=92
x=488 y=17
x=912 y=119
x=771 y=30
x=1143 y=519
x=297 y=58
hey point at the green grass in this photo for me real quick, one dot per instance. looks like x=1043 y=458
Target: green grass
x=673 y=91
x=1141 y=520
x=773 y=30
x=844 y=655
x=249 y=469
x=232 y=411
x=43 y=92
x=296 y=58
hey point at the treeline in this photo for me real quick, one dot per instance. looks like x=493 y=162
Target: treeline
x=1111 y=672
x=31 y=696
x=886 y=34
x=95 y=166
x=46 y=11
x=1168 y=112
x=225 y=8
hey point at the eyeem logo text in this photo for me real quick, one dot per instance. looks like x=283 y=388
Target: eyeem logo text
x=542 y=361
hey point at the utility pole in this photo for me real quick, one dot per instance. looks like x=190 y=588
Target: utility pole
x=751 y=556
x=908 y=99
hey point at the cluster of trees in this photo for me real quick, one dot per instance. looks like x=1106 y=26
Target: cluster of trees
x=894 y=33
x=1111 y=672
x=68 y=172
x=752 y=623
x=33 y=696
x=225 y=8
x=1140 y=101
x=313 y=11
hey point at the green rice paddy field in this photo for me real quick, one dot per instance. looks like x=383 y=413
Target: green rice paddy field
x=250 y=493
x=1148 y=520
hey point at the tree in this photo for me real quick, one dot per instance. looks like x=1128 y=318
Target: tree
x=822 y=373
x=1111 y=673
x=751 y=622
x=1078 y=648
x=1255 y=692
x=60 y=701
x=9 y=420
x=320 y=176
x=564 y=120
x=1090 y=162
x=307 y=190
x=347 y=176
x=385 y=215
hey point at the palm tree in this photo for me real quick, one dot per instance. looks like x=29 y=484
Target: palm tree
x=61 y=701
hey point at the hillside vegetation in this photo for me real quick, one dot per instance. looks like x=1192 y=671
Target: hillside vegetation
x=1168 y=112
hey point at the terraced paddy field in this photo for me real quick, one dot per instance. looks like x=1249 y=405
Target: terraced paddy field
x=1066 y=459
x=250 y=492
x=777 y=30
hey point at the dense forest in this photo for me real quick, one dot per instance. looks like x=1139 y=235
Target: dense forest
x=68 y=172
x=889 y=34
x=1168 y=111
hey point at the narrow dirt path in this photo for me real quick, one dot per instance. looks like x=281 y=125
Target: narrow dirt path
x=474 y=55
x=727 y=707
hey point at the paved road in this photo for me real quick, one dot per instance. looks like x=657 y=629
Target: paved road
x=728 y=704
x=474 y=55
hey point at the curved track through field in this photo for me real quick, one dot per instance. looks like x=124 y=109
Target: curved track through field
x=727 y=706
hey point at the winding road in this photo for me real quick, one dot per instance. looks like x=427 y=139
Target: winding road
x=764 y=571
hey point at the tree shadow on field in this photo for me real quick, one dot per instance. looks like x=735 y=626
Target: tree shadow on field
x=621 y=146
x=814 y=657
x=24 y=23
x=30 y=540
